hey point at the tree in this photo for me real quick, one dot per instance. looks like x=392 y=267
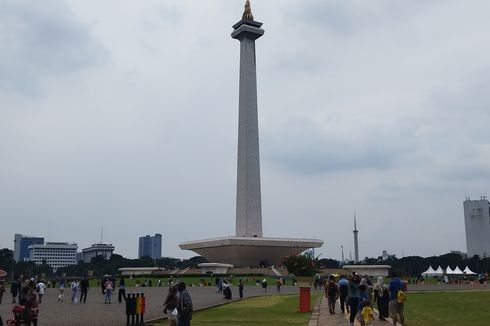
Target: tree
x=302 y=264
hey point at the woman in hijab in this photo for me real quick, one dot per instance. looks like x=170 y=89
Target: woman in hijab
x=170 y=305
x=382 y=297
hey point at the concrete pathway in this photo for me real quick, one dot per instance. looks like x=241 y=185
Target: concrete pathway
x=322 y=317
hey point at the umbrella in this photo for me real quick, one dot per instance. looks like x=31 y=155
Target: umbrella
x=2 y=273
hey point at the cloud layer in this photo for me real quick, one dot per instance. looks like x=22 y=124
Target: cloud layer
x=124 y=115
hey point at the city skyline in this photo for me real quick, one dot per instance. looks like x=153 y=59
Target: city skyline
x=126 y=117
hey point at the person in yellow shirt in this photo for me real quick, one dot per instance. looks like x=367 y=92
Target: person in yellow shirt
x=367 y=314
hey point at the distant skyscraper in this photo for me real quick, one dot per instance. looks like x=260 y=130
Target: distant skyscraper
x=150 y=246
x=21 y=246
x=477 y=226
x=356 y=244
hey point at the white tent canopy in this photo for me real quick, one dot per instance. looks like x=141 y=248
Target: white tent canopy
x=457 y=271
x=438 y=271
x=468 y=271
x=429 y=272
x=449 y=270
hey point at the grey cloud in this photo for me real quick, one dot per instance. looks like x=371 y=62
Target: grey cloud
x=42 y=39
x=306 y=146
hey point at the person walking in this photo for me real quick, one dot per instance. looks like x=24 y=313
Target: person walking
x=121 y=294
x=331 y=293
x=170 y=305
x=61 y=291
x=381 y=297
x=343 y=292
x=185 y=306
x=395 y=307
x=240 y=288
x=40 y=288
x=74 y=291
x=108 y=289
x=278 y=284
x=353 y=297
x=14 y=290
x=84 y=285
x=264 y=285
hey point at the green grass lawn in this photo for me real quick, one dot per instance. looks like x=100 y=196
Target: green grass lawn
x=448 y=309
x=266 y=310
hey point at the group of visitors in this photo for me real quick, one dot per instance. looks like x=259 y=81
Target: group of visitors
x=357 y=296
x=27 y=293
x=178 y=305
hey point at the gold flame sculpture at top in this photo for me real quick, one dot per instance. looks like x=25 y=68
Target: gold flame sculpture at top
x=247 y=14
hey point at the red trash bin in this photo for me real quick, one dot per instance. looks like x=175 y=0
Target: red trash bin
x=304 y=299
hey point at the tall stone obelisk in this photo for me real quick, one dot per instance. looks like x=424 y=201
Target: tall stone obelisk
x=248 y=202
x=248 y=247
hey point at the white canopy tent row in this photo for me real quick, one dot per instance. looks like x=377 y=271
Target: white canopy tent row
x=439 y=271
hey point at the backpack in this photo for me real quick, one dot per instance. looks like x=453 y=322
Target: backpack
x=401 y=296
x=332 y=290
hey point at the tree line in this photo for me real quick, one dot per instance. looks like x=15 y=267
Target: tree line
x=97 y=267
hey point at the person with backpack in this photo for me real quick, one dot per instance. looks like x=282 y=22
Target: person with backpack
x=185 y=307
x=396 y=303
x=331 y=293
x=343 y=293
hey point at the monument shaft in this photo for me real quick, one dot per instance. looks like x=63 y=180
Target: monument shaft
x=248 y=204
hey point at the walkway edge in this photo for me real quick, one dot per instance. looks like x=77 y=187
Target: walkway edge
x=315 y=315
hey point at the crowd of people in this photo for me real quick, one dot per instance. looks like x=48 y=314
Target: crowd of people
x=358 y=295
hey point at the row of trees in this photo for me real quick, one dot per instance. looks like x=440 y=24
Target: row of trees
x=301 y=265
x=99 y=266
x=413 y=266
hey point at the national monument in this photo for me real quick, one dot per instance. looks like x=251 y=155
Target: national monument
x=248 y=247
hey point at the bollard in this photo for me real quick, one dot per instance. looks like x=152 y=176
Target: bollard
x=304 y=299
x=135 y=308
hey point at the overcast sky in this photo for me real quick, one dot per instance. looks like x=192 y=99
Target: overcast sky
x=123 y=115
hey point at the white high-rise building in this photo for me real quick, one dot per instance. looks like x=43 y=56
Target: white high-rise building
x=98 y=249
x=477 y=226
x=55 y=254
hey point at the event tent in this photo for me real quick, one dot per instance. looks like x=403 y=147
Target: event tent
x=468 y=271
x=429 y=272
x=457 y=271
x=439 y=271
x=449 y=270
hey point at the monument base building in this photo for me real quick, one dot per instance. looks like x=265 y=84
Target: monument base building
x=249 y=251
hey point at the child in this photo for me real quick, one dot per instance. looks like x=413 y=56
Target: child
x=367 y=314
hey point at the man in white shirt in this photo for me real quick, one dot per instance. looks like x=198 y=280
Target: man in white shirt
x=40 y=290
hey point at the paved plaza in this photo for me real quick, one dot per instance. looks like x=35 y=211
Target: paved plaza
x=96 y=313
